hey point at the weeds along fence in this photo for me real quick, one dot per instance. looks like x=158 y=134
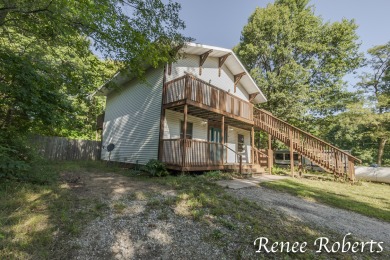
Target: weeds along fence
x=61 y=148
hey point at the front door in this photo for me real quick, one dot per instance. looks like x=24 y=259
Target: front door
x=215 y=147
x=215 y=135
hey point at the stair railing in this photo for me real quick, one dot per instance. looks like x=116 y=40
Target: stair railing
x=325 y=155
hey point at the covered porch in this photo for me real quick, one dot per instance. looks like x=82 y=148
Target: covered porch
x=219 y=129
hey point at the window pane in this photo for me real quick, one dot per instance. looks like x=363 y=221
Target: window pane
x=279 y=156
x=189 y=129
x=240 y=146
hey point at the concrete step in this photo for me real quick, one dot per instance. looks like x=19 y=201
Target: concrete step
x=247 y=169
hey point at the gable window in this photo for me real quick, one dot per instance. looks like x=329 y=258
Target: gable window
x=240 y=143
x=189 y=130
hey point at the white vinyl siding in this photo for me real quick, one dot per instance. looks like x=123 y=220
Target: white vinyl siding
x=132 y=120
x=172 y=126
x=232 y=142
x=190 y=64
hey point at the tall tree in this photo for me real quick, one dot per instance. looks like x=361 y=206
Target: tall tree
x=376 y=86
x=130 y=31
x=298 y=60
x=47 y=69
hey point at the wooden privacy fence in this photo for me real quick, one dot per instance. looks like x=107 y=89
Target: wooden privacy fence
x=61 y=148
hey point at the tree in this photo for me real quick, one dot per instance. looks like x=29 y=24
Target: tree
x=48 y=71
x=47 y=68
x=376 y=87
x=298 y=60
x=132 y=32
x=357 y=129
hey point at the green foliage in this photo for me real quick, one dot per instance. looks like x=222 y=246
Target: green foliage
x=358 y=129
x=132 y=32
x=156 y=168
x=15 y=156
x=279 y=171
x=376 y=87
x=299 y=60
x=365 y=125
x=48 y=71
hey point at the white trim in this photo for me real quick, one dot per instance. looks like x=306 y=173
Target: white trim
x=195 y=48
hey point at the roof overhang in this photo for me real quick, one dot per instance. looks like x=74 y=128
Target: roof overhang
x=232 y=62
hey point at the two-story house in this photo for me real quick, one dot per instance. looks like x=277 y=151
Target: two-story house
x=199 y=114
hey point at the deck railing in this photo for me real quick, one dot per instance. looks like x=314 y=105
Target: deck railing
x=195 y=153
x=259 y=156
x=322 y=153
x=198 y=153
x=191 y=88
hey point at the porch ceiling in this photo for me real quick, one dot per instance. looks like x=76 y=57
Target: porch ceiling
x=209 y=115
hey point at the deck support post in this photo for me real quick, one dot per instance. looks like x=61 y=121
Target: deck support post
x=184 y=136
x=222 y=138
x=160 y=145
x=351 y=169
x=253 y=145
x=270 y=154
x=290 y=135
x=162 y=118
x=300 y=165
x=240 y=165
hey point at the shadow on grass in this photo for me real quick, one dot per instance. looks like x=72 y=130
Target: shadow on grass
x=342 y=201
x=39 y=213
x=39 y=220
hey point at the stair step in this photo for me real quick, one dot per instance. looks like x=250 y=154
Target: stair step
x=304 y=143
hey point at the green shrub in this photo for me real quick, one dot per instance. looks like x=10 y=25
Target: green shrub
x=15 y=157
x=156 y=168
x=279 y=171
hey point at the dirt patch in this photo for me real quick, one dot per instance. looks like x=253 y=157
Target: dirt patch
x=136 y=222
x=104 y=185
x=193 y=219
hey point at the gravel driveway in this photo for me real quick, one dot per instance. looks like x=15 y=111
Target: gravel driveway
x=338 y=220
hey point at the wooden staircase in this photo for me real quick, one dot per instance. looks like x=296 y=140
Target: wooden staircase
x=325 y=155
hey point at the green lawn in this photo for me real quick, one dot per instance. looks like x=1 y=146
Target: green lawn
x=370 y=199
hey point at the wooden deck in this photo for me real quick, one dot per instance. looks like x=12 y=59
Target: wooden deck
x=207 y=101
x=197 y=155
x=192 y=96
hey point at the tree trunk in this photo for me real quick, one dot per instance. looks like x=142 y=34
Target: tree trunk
x=381 y=148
